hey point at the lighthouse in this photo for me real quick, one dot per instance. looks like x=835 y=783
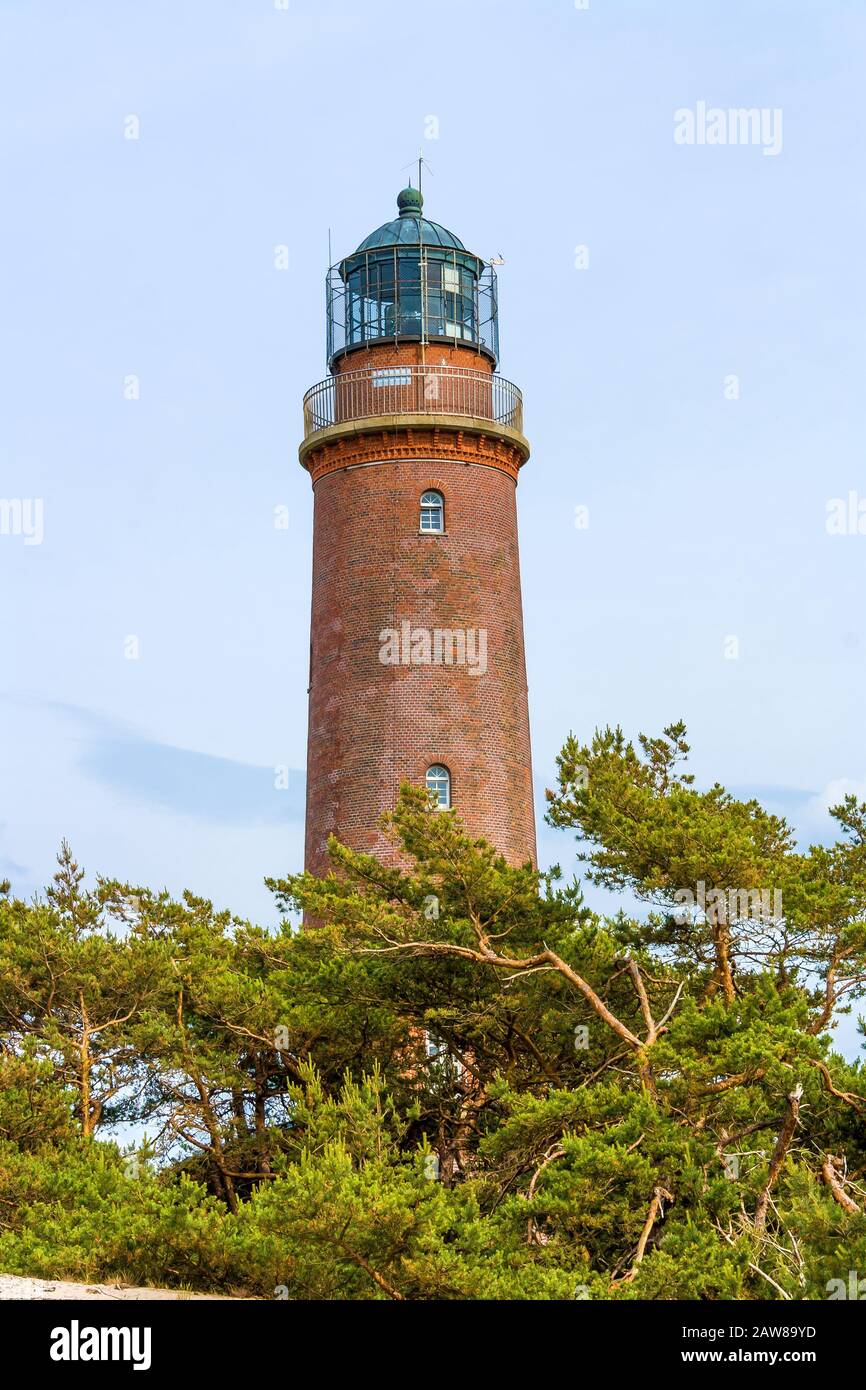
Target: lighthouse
x=413 y=444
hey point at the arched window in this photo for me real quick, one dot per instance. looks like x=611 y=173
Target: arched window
x=438 y=781
x=433 y=512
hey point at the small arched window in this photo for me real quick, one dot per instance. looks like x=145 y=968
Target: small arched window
x=433 y=512
x=438 y=781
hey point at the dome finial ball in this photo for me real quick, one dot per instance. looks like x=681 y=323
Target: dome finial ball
x=410 y=202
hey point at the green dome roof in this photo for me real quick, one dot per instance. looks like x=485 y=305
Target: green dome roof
x=410 y=228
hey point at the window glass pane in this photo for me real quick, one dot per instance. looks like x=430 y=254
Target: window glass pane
x=439 y=783
x=392 y=376
x=432 y=512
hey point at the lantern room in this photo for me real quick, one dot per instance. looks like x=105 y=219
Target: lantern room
x=412 y=281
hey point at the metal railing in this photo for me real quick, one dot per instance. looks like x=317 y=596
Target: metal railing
x=412 y=390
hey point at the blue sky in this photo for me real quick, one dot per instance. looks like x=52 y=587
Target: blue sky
x=261 y=127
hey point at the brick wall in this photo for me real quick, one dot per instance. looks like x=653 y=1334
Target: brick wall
x=373 y=725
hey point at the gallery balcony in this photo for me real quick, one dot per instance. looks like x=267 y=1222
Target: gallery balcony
x=394 y=393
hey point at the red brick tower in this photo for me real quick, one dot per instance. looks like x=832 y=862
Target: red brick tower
x=413 y=446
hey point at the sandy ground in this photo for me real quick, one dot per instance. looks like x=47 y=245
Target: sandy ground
x=13 y=1287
